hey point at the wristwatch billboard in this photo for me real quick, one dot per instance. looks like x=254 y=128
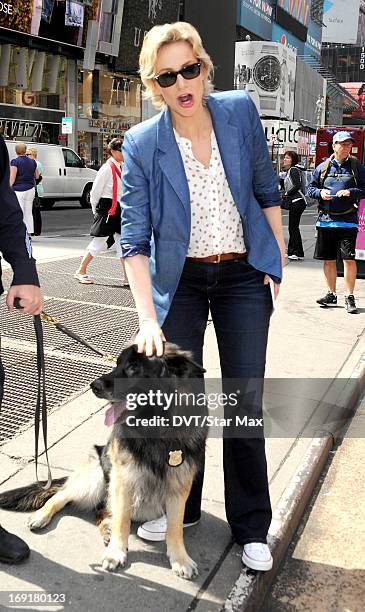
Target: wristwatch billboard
x=267 y=76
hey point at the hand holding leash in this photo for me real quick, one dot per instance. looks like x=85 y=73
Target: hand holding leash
x=29 y=299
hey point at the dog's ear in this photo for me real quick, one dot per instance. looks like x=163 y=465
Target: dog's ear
x=183 y=367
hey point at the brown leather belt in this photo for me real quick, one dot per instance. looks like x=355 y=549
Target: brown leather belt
x=217 y=258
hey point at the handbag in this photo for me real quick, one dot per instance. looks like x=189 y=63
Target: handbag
x=104 y=224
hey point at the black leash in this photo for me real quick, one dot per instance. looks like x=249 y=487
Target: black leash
x=62 y=328
x=41 y=405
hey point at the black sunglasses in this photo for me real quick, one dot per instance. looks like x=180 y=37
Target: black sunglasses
x=167 y=79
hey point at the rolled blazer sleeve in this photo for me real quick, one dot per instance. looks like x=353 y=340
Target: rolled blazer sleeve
x=265 y=182
x=136 y=216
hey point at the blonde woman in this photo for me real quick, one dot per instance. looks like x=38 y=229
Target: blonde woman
x=32 y=153
x=201 y=230
x=23 y=174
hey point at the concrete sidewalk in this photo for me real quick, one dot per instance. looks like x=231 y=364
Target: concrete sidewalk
x=323 y=348
x=324 y=570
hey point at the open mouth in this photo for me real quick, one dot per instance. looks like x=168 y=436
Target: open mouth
x=186 y=101
x=114 y=412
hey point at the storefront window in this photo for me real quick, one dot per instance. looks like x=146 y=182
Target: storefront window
x=33 y=94
x=109 y=104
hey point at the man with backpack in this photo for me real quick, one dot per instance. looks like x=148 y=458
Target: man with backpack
x=338 y=184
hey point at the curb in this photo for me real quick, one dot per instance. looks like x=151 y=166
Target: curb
x=249 y=591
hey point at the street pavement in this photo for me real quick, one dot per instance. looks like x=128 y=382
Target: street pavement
x=316 y=351
x=324 y=570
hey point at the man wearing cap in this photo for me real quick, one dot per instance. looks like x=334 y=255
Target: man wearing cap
x=338 y=184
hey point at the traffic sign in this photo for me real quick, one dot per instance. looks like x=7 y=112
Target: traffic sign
x=66 y=127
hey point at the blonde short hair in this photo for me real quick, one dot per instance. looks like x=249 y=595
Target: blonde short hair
x=20 y=148
x=32 y=151
x=162 y=35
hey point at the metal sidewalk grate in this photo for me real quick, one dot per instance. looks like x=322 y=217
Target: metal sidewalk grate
x=65 y=380
x=88 y=313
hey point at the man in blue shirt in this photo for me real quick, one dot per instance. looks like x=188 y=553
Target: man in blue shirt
x=338 y=184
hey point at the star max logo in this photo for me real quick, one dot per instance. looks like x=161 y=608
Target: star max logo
x=328 y=4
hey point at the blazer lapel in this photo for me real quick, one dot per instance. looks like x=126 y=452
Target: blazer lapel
x=171 y=162
x=229 y=145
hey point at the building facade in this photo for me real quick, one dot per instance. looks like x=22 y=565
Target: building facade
x=43 y=45
x=75 y=59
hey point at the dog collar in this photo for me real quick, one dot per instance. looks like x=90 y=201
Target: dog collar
x=175 y=458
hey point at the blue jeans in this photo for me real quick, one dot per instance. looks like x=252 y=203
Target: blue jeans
x=240 y=306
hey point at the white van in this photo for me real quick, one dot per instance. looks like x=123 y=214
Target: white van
x=65 y=176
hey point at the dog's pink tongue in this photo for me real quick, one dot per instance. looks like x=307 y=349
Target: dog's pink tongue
x=113 y=413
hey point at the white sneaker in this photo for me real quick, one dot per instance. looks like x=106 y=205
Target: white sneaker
x=295 y=258
x=155 y=530
x=257 y=556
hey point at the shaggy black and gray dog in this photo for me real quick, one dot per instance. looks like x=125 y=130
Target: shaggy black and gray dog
x=149 y=462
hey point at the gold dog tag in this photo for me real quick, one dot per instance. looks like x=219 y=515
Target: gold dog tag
x=175 y=458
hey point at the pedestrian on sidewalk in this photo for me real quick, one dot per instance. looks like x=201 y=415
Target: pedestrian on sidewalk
x=105 y=203
x=32 y=153
x=201 y=229
x=293 y=194
x=338 y=184
x=23 y=174
x=16 y=248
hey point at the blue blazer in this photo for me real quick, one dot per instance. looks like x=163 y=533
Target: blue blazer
x=156 y=216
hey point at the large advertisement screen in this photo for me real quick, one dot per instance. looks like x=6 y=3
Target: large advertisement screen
x=256 y=16
x=266 y=70
x=340 y=18
x=64 y=21
x=299 y=10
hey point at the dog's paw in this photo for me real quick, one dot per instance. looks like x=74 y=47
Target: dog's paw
x=184 y=567
x=38 y=520
x=114 y=558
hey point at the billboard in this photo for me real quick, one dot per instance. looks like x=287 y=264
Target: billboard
x=266 y=70
x=313 y=45
x=64 y=22
x=257 y=17
x=216 y=21
x=138 y=18
x=299 y=10
x=285 y=134
x=286 y=38
x=340 y=18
